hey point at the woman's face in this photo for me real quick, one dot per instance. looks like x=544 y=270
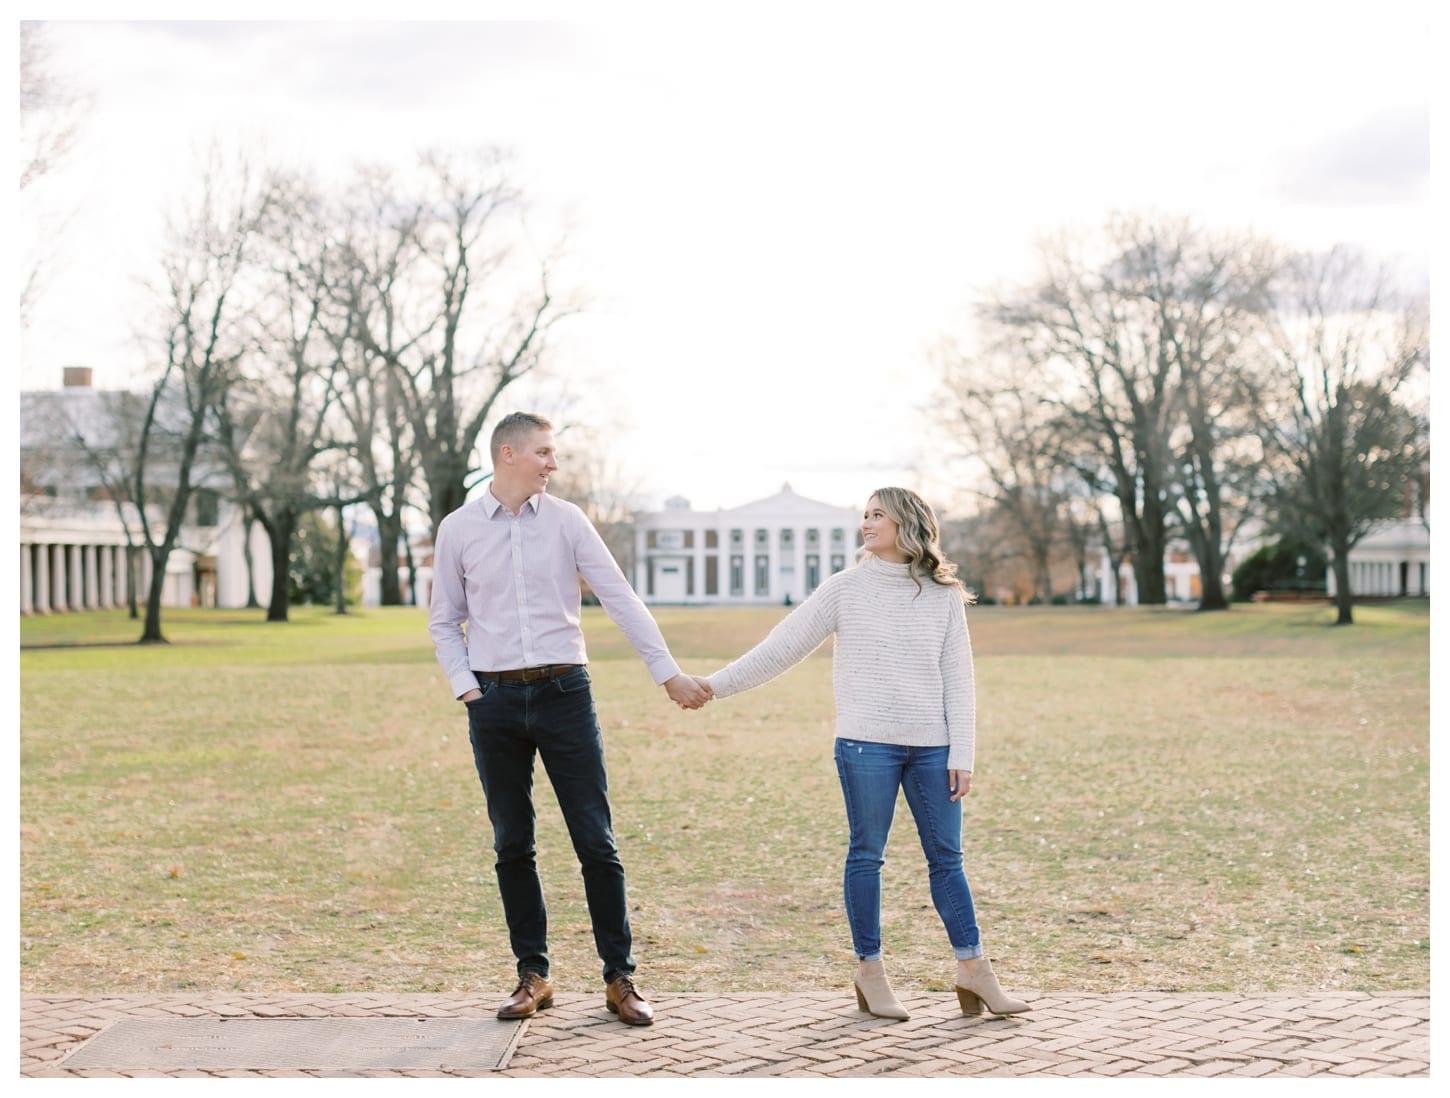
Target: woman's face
x=878 y=532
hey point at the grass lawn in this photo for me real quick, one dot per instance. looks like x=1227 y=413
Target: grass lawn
x=1163 y=800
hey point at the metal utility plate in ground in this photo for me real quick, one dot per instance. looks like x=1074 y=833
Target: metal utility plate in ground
x=303 y=1044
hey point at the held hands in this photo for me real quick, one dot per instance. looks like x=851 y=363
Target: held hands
x=688 y=691
x=959 y=782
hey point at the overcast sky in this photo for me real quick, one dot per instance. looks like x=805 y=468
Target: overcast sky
x=777 y=210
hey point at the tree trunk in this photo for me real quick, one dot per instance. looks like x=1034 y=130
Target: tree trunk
x=151 y=629
x=1343 y=596
x=132 y=582
x=340 y=605
x=390 y=530
x=253 y=603
x=1150 y=548
x=1044 y=577
x=280 y=532
x=412 y=574
x=1210 y=573
x=449 y=493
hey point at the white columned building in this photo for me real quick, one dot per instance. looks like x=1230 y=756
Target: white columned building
x=1392 y=561
x=73 y=542
x=770 y=551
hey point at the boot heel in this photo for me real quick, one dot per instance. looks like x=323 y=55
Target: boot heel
x=861 y=1000
x=970 y=1001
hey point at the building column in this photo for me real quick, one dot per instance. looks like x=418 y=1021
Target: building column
x=75 y=580
x=106 y=565
x=27 y=601
x=42 y=579
x=802 y=551
x=92 y=555
x=772 y=567
x=57 y=578
x=698 y=550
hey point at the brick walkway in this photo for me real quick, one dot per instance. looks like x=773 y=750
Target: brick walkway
x=822 y=1034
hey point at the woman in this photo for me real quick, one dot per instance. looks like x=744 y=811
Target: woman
x=905 y=720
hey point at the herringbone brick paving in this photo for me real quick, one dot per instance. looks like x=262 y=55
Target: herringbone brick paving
x=822 y=1034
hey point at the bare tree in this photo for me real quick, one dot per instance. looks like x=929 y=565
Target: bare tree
x=1016 y=440
x=486 y=310
x=384 y=259
x=201 y=309
x=1134 y=340
x=273 y=419
x=1211 y=295
x=1347 y=446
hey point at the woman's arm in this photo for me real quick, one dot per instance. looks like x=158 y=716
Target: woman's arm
x=959 y=694
x=792 y=640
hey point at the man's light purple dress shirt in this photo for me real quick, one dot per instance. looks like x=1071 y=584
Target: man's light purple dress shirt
x=513 y=580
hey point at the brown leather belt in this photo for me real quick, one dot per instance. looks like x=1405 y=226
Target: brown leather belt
x=528 y=674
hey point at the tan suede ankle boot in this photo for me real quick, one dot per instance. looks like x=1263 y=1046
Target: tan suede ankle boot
x=977 y=986
x=874 y=994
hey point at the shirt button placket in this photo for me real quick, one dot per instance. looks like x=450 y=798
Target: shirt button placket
x=516 y=545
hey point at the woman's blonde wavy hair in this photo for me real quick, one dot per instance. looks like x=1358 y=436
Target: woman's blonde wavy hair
x=918 y=536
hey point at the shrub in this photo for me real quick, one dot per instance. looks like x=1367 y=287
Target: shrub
x=1277 y=568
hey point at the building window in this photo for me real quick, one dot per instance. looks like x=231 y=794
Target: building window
x=651 y=539
x=762 y=576
x=689 y=539
x=838 y=536
x=838 y=563
x=670 y=539
x=813 y=538
x=787 y=539
x=712 y=539
x=737 y=539
x=712 y=575
x=737 y=577
x=813 y=573
x=762 y=539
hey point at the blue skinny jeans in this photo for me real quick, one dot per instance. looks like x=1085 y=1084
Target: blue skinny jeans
x=871 y=774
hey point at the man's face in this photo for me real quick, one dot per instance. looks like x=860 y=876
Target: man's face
x=532 y=460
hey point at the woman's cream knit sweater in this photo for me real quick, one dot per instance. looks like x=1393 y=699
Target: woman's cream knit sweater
x=902 y=668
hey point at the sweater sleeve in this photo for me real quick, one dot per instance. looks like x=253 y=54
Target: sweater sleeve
x=792 y=640
x=959 y=690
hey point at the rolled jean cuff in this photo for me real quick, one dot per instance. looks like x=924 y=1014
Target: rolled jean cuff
x=967 y=953
x=878 y=955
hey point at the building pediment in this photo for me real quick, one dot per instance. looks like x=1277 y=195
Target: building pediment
x=786 y=503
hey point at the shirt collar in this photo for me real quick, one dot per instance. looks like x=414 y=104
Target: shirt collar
x=491 y=503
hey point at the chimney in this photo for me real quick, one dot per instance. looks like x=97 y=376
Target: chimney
x=77 y=377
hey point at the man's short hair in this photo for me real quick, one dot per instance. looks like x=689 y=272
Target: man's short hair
x=512 y=428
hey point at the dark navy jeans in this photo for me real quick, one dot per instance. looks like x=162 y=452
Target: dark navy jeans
x=871 y=774
x=555 y=718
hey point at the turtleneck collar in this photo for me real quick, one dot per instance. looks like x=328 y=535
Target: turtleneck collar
x=902 y=569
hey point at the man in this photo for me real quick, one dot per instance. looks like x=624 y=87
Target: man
x=507 y=568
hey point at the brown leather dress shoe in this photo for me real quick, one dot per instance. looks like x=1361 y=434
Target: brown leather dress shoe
x=533 y=993
x=624 y=999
